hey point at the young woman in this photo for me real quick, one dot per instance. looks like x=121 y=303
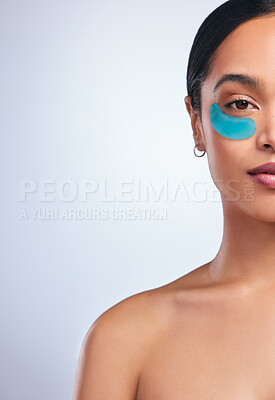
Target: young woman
x=211 y=333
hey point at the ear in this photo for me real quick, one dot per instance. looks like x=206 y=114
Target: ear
x=196 y=124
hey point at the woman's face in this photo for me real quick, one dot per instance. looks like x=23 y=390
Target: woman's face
x=249 y=50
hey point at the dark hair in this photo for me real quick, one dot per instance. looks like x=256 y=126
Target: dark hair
x=215 y=28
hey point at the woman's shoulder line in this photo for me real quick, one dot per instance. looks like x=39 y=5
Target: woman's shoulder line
x=150 y=311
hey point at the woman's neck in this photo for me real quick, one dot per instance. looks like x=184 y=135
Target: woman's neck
x=247 y=252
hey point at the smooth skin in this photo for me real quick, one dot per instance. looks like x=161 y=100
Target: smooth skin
x=211 y=333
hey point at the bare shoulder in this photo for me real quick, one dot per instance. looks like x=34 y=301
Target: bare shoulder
x=136 y=319
x=133 y=319
x=141 y=315
x=115 y=346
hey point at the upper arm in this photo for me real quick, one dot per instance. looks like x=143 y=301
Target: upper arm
x=112 y=353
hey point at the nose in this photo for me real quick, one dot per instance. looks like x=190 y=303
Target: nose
x=266 y=132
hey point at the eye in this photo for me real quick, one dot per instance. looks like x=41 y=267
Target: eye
x=241 y=104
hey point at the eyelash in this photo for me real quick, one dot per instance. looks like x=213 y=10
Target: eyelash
x=234 y=101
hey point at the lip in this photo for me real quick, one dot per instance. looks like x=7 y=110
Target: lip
x=264 y=174
x=265 y=179
x=267 y=168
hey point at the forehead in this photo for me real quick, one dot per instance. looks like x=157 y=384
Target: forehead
x=250 y=48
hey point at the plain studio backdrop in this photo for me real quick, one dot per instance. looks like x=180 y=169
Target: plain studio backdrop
x=102 y=196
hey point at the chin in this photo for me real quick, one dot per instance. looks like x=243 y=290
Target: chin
x=259 y=203
x=260 y=210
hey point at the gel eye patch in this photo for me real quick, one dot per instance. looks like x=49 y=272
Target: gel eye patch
x=231 y=127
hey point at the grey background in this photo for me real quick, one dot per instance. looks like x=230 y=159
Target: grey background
x=92 y=90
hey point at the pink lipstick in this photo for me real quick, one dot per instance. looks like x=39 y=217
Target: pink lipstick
x=264 y=174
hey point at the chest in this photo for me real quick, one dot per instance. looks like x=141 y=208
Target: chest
x=206 y=358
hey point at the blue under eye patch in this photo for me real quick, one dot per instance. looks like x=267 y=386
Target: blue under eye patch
x=231 y=127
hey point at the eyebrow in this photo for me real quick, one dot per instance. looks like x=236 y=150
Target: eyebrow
x=243 y=79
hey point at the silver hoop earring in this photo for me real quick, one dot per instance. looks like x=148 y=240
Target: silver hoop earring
x=194 y=151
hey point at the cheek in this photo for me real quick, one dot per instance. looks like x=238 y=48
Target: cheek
x=221 y=160
x=231 y=127
x=225 y=167
x=225 y=157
